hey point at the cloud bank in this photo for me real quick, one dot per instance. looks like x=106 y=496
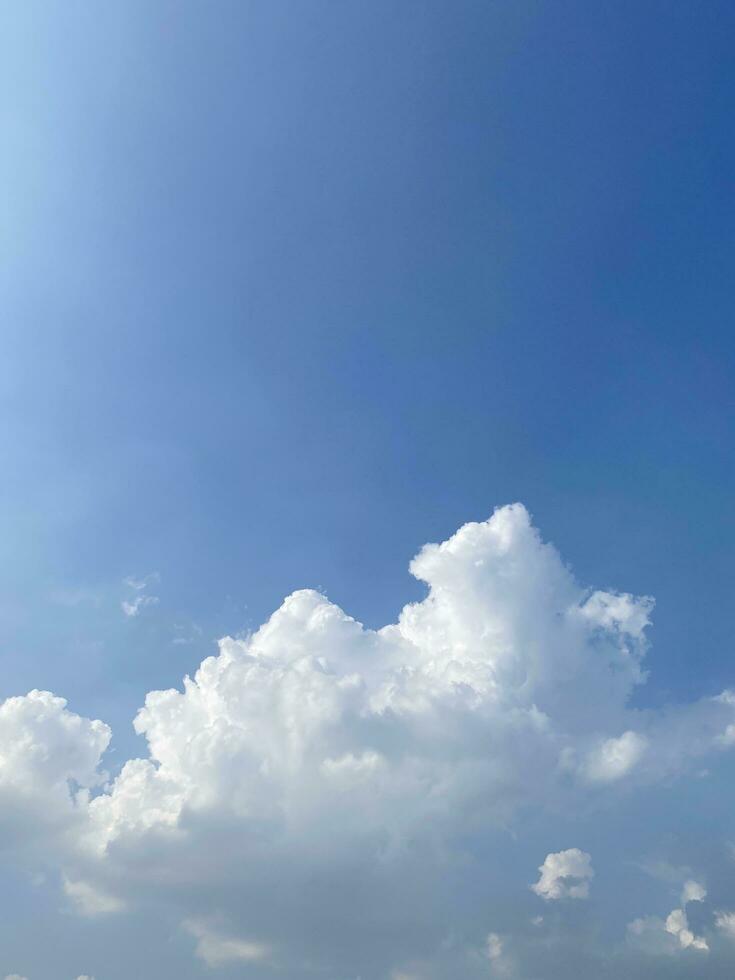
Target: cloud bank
x=321 y=798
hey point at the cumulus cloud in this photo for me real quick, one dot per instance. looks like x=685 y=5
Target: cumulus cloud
x=693 y=891
x=566 y=874
x=668 y=935
x=316 y=759
x=677 y=925
x=49 y=760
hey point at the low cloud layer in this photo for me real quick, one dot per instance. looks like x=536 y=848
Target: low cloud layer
x=323 y=799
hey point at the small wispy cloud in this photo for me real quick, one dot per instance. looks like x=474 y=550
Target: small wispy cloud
x=140 y=583
x=136 y=603
x=186 y=633
x=140 y=602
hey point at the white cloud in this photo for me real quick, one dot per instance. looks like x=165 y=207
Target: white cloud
x=693 y=891
x=649 y=934
x=565 y=874
x=43 y=745
x=501 y=964
x=677 y=925
x=89 y=900
x=618 y=611
x=135 y=604
x=725 y=922
x=494 y=946
x=673 y=933
x=141 y=582
x=615 y=757
x=216 y=949
x=316 y=758
x=49 y=759
x=134 y=607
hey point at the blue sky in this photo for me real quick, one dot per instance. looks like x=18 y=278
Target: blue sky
x=289 y=289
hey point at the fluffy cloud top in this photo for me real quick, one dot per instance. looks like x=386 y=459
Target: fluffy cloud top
x=693 y=891
x=49 y=760
x=566 y=874
x=316 y=758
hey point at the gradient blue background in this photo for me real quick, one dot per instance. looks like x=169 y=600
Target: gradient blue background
x=288 y=289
